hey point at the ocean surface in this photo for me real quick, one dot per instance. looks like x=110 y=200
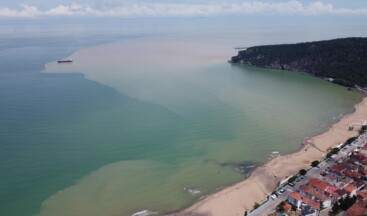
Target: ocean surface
x=149 y=116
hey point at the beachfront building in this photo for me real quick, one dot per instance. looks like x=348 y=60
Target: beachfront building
x=301 y=202
x=321 y=186
x=358 y=158
x=348 y=178
x=315 y=195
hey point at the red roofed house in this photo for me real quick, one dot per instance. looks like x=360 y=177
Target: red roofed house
x=330 y=191
x=350 y=163
x=321 y=186
x=359 y=184
x=339 y=194
x=358 y=209
x=351 y=189
x=315 y=195
x=361 y=195
x=339 y=167
x=287 y=207
x=363 y=171
x=298 y=200
x=359 y=157
x=364 y=162
x=352 y=174
x=336 y=174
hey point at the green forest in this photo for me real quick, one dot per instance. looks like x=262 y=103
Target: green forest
x=344 y=60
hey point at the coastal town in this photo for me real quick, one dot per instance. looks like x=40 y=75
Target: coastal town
x=266 y=190
x=337 y=185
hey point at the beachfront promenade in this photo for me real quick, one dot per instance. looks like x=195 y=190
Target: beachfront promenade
x=314 y=172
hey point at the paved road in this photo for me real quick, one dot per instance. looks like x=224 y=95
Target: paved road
x=271 y=205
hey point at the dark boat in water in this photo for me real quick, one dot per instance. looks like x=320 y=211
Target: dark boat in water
x=65 y=61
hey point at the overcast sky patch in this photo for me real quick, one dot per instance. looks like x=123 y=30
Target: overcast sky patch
x=187 y=9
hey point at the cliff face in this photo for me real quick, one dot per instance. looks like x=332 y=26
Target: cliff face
x=344 y=60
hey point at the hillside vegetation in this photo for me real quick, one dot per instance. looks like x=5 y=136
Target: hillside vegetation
x=344 y=60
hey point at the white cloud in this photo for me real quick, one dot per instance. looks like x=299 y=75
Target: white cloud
x=292 y=7
x=61 y=10
x=26 y=11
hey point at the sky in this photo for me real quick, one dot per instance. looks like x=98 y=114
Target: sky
x=179 y=8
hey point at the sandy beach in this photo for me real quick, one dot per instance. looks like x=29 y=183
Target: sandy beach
x=240 y=197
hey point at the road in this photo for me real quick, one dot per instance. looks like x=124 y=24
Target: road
x=314 y=172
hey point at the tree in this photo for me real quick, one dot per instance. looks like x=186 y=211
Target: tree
x=363 y=129
x=336 y=208
x=347 y=202
x=281 y=205
x=292 y=179
x=335 y=151
x=324 y=59
x=302 y=172
x=256 y=205
x=315 y=163
x=332 y=152
x=350 y=140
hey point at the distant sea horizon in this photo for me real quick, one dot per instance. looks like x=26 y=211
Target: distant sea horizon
x=149 y=116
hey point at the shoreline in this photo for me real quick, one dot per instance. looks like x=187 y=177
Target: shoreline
x=240 y=197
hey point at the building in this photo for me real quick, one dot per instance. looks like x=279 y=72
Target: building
x=361 y=195
x=339 y=168
x=352 y=174
x=315 y=195
x=363 y=171
x=359 y=208
x=321 y=186
x=358 y=157
x=336 y=174
x=339 y=194
x=287 y=208
x=351 y=189
x=359 y=184
x=299 y=201
x=308 y=211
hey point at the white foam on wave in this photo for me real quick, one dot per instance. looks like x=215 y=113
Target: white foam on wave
x=144 y=213
x=274 y=154
x=193 y=191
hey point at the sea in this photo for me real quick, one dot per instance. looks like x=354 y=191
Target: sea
x=150 y=117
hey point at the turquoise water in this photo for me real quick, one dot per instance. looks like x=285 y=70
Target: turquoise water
x=132 y=136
